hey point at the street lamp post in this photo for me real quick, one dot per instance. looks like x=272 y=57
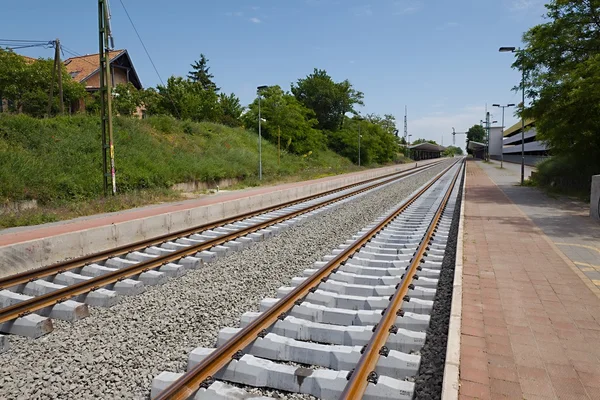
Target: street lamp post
x=502 y=137
x=359 y=118
x=519 y=52
x=259 y=89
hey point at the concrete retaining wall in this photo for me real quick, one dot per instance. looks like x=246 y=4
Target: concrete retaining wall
x=595 y=198
x=23 y=256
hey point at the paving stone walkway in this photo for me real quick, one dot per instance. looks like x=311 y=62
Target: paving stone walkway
x=566 y=222
x=530 y=319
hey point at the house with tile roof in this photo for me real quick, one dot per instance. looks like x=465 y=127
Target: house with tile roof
x=86 y=69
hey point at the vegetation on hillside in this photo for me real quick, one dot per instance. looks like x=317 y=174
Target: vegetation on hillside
x=60 y=158
x=316 y=113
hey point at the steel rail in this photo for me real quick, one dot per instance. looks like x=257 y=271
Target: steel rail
x=78 y=262
x=60 y=295
x=364 y=372
x=202 y=373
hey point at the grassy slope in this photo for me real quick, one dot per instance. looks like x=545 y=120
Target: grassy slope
x=58 y=162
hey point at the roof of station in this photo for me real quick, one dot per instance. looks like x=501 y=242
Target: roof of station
x=475 y=145
x=516 y=128
x=428 y=147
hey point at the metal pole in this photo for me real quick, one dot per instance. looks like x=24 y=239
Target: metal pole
x=102 y=97
x=59 y=72
x=259 y=142
x=487 y=138
x=359 y=143
x=278 y=146
x=502 y=141
x=523 y=128
x=106 y=95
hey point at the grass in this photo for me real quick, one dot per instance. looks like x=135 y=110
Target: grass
x=58 y=162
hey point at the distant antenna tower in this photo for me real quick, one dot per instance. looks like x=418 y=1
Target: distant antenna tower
x=405 y=124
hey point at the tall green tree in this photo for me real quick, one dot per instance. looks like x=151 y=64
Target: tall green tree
x=282 y=113
x=200 y=74
x=329 y=100
x=231 y=109
x=476 y=133
x=185 y=99
x=387 y=122
x=25 y=84
x=561 y=60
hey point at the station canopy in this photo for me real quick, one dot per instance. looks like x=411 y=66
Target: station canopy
x=430 y=147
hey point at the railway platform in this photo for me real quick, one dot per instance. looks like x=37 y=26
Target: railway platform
x=530 y=318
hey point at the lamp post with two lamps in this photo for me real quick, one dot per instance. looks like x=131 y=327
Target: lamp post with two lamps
x=502 y=137
x=259 y=90
x=520 y=53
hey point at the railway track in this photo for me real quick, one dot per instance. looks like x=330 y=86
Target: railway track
x=63 y=291
x=351 y=327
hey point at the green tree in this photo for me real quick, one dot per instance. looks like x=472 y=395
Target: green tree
x=200 y=74
x=419 y=141
x=185 y=99
x=231 y=109
x=387 y=122
x=281 y=112
x=476 y=133
x=328 y=99
x=377 y=145
x=25 y=85
x=453 y=150
x=562 y=64
x=126 y=99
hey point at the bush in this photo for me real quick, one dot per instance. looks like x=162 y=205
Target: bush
x=567 y=174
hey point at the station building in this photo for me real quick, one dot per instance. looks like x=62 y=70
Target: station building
x=426 y=151
x=509 y=145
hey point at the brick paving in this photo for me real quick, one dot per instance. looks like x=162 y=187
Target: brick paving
x=530 y=325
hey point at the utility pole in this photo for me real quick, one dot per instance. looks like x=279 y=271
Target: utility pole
x=108 y=149
x=56 y=70
x=59 y=72
x=278 y=146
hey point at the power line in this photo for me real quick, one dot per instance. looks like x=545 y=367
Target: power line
x=23 y=41
x=150 y=58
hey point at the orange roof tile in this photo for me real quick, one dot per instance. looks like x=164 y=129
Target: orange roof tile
x=82 y=67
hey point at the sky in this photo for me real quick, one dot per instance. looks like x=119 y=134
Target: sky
x=437 y=57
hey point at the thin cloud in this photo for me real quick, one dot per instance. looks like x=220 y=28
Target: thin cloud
x=525 y=7
x=406 y=7
x=255 y=20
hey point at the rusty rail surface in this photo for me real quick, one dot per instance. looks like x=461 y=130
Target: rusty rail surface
x=36 y=303
x=364 y=371
x=203 y=372
x=78 y=262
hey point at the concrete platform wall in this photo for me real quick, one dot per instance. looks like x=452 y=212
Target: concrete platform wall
x=595 y=198
x=23 y=256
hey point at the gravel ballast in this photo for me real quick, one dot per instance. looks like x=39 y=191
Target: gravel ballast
x=428 y=383
x=115 y=353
